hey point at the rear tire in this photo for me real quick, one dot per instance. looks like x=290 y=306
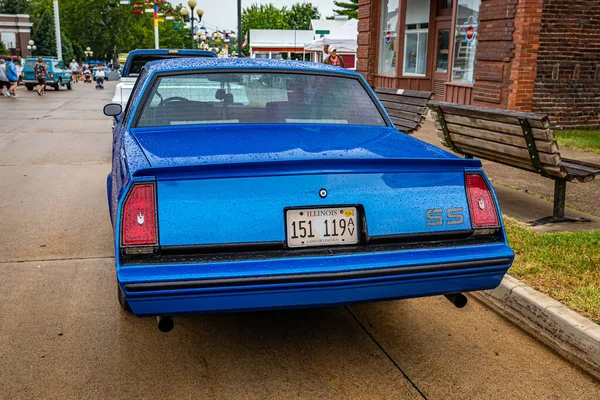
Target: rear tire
x=70 y=86
x=121 y=296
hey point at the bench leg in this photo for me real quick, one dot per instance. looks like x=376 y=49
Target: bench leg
x=560 y=198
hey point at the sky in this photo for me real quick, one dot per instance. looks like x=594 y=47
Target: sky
x=223 y=13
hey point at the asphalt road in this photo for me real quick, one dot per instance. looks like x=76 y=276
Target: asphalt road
x=64 y=336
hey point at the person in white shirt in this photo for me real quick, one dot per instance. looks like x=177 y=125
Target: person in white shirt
x=100 y=75
x=75 y=70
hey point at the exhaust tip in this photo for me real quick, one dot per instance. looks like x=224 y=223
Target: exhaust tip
x=458 y=299
x=165 y=324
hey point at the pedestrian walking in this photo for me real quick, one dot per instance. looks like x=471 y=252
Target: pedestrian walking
x=13 y=76
x=3 y=78
x=75 y=70
x=333 y=58
x=41 y=72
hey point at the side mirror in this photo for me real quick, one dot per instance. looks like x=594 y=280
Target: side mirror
x=112 y=110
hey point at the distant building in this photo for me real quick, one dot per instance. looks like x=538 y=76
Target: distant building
x=527 y=55
x=15 y=32
x=278 y=43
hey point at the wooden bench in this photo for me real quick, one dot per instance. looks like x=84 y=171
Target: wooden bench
x=407 y=108
x=518 y=139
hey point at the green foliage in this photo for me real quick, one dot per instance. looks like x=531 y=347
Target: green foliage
x=267 y=16
x=349 y=8
x=549 y=263
x=300 y=14
x=579 y=139
x=14 y=6
x=42 y=32
x=3 y=49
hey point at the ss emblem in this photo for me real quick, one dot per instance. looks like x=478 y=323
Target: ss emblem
x=435 y=216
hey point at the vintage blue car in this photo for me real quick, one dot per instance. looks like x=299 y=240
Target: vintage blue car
x=258 y=184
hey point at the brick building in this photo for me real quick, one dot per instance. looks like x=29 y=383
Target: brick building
x=15 y=32
x=527 y=55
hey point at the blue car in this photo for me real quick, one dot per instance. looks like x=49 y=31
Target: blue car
x=262 y=184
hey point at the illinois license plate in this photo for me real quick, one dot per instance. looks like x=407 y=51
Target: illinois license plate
x=321 y=226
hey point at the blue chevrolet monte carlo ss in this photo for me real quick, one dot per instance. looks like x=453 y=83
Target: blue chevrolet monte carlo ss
x=254 y=184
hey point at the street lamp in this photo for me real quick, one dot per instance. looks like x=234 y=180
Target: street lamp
x=88 y=53
x=31 y=46
x=189 y=16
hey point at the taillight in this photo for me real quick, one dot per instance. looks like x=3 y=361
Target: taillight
x=481 y=203
x=138 y=225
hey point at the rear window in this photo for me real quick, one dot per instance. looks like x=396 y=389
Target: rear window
x=31 y=63
x=138 y=62
x=258 y=98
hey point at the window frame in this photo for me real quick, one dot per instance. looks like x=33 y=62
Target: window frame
x=418 y=32
x=155 y=78
x=381 y=39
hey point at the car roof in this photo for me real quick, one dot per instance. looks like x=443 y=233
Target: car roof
x=170 y=51
x=178 y=64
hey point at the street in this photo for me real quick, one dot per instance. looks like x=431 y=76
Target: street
x=63 y=334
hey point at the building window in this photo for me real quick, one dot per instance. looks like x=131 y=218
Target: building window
x=415 y=37
x=388 y=38
x=465 y=43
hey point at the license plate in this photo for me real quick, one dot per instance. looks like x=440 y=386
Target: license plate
x=321 y=226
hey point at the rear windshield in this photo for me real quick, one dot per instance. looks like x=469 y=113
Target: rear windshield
x=258 y=98
x=138 y=62
x=31 y=63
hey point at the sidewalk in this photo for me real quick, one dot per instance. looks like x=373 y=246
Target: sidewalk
x=519 y=191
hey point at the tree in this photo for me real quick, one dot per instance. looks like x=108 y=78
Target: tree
x=3 y=49
x=42 y=32
x=300 y=15
x=14 y=6
x=350 y=9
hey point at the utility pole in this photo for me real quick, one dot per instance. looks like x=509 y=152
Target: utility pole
x=239 y=32
x=57 y=30
x=156 y=46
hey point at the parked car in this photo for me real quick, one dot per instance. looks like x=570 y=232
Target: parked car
x=260 y=184
x=58 y=75
x=136 y=60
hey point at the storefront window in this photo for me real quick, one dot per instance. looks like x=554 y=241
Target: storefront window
x=388 y=38
x=442 y=51
x=465 y=44
x=415 y=37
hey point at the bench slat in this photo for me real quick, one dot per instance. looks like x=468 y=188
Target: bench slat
x=498 y=115
x=415 y=101
x=406 y=126
x=499 y=148
x=583 y=163
x=516 y=130
x=406 y=115
x=403 y=107
x=554 y=170
x=404 y=92
x=543 y=146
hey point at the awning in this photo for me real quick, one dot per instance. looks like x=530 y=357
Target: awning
x=344 y=39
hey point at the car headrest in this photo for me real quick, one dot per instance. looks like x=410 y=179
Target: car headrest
x=220 y=94
x=228 y=99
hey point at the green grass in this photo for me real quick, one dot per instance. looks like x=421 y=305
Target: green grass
x=579 y=139
x=565 y=266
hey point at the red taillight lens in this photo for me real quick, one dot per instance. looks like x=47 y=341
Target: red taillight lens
x=481 y=203
x=139 y=216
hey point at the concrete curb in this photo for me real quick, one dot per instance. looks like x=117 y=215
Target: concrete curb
x=570 y=334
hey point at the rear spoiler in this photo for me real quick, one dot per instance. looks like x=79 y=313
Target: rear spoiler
x=307 y=167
